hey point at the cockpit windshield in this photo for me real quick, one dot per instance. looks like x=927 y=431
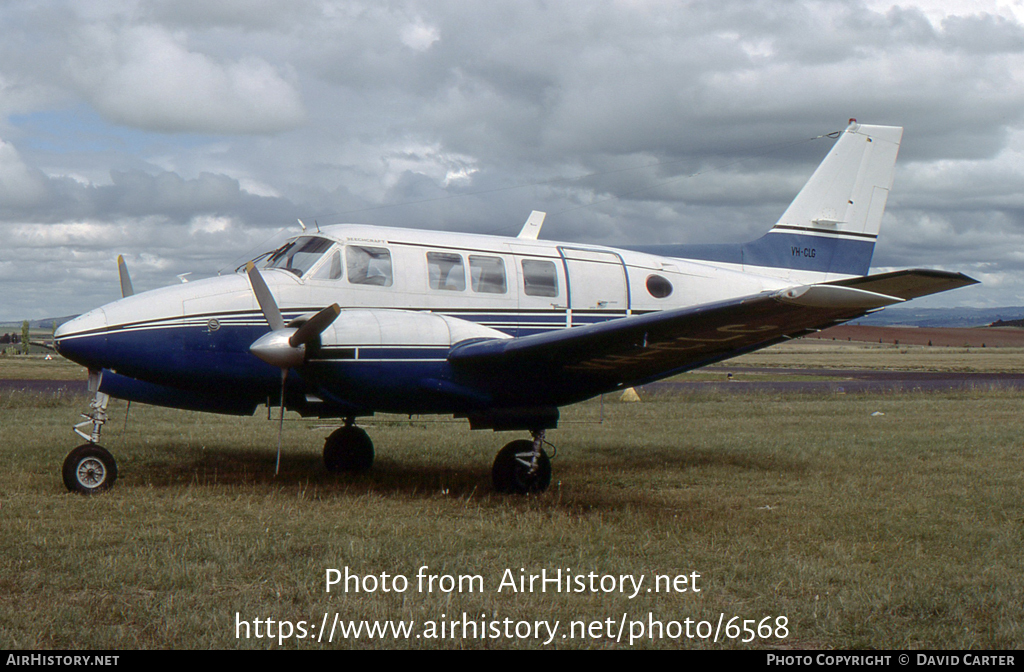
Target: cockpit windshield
x=299 y=255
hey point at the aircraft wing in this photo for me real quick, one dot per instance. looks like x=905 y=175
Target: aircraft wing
x=634 y=350
x=909 y=284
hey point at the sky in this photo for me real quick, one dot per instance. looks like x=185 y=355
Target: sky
x=189 y=135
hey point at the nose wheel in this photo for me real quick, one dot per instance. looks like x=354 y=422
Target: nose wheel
x=348 y=449
x=89 y=469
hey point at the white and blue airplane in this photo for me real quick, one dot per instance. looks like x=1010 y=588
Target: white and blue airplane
x=353 y=320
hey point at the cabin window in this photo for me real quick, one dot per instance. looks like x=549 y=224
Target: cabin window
x=658 y=286
x=446 y=271
x=332 y=269
x=299 y=255
x=487 y=274
x=539 y=278
x=368 y=265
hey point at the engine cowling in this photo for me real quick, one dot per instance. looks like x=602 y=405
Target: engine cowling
x=382 y=327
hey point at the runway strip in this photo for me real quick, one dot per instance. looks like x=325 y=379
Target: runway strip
x=841 y=380
x=45 y=386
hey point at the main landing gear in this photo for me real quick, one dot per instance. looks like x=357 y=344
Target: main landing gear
x=90 y=468
x=348 y=449
x=522 y=467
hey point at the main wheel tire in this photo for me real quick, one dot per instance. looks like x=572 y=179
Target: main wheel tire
x=511 y=471
x=348 y=449
x=89 y=469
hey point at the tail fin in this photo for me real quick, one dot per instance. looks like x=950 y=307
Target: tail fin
x=832 y=224
x=830 y=228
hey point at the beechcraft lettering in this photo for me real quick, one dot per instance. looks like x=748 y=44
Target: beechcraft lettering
x=355 y=320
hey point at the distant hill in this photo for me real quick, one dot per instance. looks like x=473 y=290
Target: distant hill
x=1008 y=323
x=45 y=323
x=942 y=317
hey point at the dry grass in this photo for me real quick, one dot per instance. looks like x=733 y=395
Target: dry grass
x=37 y=367
x=900 y=530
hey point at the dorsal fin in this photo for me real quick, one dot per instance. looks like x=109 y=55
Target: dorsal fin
x=532 y=227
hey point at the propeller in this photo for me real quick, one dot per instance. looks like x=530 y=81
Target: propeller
x=126 y=280
x=284 y=347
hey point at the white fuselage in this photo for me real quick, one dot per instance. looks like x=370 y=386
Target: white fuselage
x=590 y=283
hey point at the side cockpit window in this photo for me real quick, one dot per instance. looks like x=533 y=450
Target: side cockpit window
x=368 y=265
x=446 y=271
x=331 y=270
x=299 y=255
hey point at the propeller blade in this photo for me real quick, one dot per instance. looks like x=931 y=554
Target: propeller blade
x=266 y=300
x=315 y=326
x=280 y=423
x=126 y=281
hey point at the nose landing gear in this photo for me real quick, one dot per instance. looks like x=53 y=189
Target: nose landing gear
x=90 y=468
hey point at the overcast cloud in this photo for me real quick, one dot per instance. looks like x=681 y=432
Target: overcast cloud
x=187 y=134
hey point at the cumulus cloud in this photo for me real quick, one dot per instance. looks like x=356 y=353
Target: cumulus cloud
x=644 y=120
x=20 y=186
x=249 y=15
x=146 y=77
x=419 y=36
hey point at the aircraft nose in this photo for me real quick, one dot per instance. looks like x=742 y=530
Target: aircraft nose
x=76 y=339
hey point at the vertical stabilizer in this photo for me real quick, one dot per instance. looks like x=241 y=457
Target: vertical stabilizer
x=831 y=226
x=847 y=193
x=829 y=229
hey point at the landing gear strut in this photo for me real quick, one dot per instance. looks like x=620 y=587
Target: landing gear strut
x=90 y=468
x=522 y=467
x=348 y=448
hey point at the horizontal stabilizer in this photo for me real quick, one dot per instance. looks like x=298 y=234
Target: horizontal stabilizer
x=909 y=284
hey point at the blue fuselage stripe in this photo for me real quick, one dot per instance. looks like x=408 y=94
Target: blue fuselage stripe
x=782 y=249
x=185 y=364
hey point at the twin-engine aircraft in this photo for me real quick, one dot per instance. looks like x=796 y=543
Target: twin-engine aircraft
x=354 y=320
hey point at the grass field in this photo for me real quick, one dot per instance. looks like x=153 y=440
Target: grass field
x=37 y=367
x=875 y=521
x=813 y=354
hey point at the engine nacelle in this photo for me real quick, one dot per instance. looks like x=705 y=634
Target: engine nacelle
x=384 y=328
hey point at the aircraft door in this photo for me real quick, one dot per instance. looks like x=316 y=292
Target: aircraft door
x=543 y=294
x=598 y=290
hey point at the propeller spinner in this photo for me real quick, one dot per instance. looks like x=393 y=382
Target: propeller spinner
x=284 y=347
